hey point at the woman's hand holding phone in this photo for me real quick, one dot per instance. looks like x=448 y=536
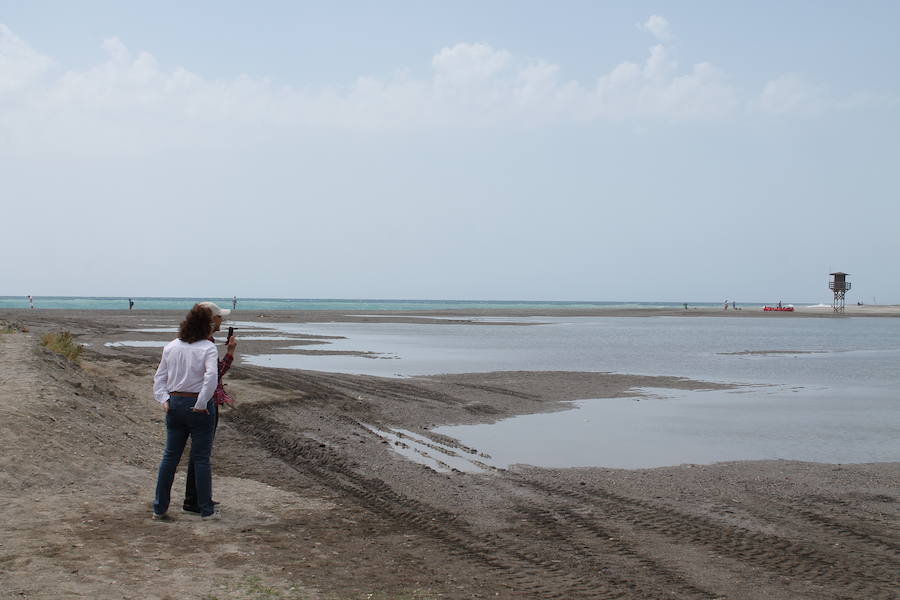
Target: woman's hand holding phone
x=231 y=341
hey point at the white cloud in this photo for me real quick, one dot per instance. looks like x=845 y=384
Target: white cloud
x=19 y=64
x=466 y=63
x=659 y=27
x=656 y=89
x=793 y=95
x=131 y=103
x=790 y=94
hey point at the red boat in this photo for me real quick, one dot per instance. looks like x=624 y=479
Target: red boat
x=785 y=308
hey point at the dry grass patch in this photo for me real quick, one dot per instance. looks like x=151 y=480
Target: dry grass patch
x=62 y=343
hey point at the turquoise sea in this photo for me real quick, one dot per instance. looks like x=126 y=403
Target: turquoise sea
x=257 y=304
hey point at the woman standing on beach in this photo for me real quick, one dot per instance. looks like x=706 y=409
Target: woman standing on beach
x=184 y=384
x=220 y=397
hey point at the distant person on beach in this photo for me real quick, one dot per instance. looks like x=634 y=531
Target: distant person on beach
x=30 y=301
x=184 y=385
x=130 y=304
x=726 y=305
x=220 y=397
x=233 y=302
x=733 y=305
x=685 y=306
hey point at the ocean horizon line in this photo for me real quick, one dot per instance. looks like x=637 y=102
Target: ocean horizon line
x=386 y=304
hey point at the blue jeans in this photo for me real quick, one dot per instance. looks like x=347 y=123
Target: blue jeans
x=182 y=423
x=190 y=484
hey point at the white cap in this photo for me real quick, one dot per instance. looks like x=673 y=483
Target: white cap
x=214 y=309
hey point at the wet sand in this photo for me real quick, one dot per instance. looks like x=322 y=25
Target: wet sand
x=318 y=505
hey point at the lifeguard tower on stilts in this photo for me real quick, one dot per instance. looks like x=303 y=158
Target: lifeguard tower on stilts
x=840 y=286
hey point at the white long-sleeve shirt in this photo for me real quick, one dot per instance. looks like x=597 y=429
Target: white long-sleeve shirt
x=187 y=368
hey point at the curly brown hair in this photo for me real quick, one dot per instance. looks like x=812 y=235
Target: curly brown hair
x=197 y=325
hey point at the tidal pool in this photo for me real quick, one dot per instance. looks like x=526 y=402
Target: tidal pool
x=672 y=427
x=831 y=396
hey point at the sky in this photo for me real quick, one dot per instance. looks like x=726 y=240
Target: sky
x=609 y=151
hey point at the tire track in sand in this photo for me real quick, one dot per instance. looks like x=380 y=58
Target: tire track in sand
x=878 y=548
x=526 y=568
x=874 y=579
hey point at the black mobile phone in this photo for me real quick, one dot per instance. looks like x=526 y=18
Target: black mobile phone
x=230 y=333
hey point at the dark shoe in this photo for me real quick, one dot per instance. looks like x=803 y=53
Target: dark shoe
x=196 y=509
x=163 y=517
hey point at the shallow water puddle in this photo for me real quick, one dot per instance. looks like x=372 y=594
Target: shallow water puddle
x=136 y=344
x=672 y=427
x=259 y=329
x=261 y=338
x=459 y=318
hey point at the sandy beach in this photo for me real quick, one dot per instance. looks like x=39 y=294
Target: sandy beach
x=317 y=505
